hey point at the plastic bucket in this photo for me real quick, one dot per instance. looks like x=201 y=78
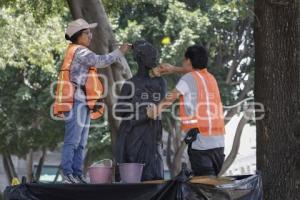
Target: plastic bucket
x=131 y=172
x=100 y=172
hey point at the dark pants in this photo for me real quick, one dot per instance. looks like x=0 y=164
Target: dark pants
x=204 y=162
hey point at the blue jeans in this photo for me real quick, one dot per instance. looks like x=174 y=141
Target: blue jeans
x=77 y=123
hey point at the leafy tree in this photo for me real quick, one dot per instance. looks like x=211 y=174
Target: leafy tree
x=30 y=56
x=39 y=9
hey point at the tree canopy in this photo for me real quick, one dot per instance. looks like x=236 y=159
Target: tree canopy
x=30 y=56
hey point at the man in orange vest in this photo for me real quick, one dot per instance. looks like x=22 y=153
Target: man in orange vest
x=200 y=111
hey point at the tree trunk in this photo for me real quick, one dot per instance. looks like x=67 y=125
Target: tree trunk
x=178 y=158
x=29 y=165
x=40 y=165
x=277 y=38
x=103 y=42
x=174 y=158
x=169 y=154
x=56 y=175
x=175 y=147
x=9 y=167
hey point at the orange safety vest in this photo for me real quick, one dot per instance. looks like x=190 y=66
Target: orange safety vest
x=208 y=118
x=64 y=95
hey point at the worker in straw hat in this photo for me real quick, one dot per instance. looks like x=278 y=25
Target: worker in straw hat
x=77 y=87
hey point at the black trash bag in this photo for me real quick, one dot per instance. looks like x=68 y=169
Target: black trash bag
x=243 y=188
x=180 y=189
x=19 y=192
x=139 y=137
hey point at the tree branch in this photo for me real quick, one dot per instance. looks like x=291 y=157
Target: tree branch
x=237 y=138
x=243 y=94
x=178 y=157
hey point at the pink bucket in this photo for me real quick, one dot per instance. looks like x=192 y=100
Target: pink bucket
x=100 y=172
x=131 y=172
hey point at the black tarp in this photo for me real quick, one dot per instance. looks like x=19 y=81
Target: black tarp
x=243 y=188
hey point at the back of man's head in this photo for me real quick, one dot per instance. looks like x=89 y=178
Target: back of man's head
x=198 y=56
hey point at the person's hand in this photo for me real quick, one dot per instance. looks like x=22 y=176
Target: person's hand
x=125 y=47
x=162 y=69
x=152 y=111
x=166 y=68
x=155 y=72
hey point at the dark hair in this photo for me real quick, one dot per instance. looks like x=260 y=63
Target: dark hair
x=198 y=56
x=75 y=36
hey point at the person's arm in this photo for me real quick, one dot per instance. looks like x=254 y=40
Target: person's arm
x=154 y=111
x=166 y=68
x=174 y=69
x=89 y=58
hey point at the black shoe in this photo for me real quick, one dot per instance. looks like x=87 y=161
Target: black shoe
x=69 y=179
x=80 y=179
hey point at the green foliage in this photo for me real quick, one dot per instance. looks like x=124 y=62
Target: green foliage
x=40 y=9
x=29 y=57
x=28 y=44
x=115 y=6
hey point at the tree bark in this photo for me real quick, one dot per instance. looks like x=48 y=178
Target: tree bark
x=29 y=165
x=175 y=147
x=56 y=175
x=9 y=167
x=169 y=154
x=178 y=158
x=103 y=42
x=40 y=165
x=277 y=88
